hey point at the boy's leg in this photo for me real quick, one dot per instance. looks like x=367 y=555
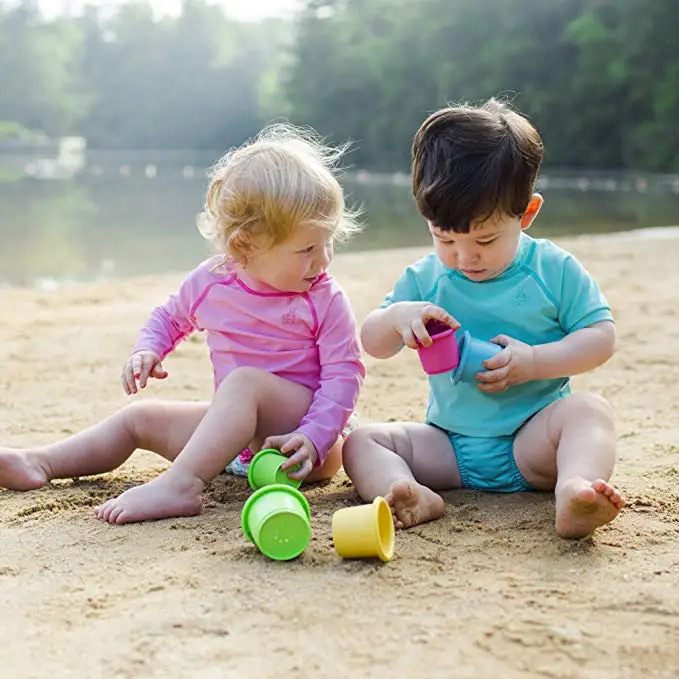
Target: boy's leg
x=403 y=462
x=249 y=404
x=570 y=446
x=161 y=427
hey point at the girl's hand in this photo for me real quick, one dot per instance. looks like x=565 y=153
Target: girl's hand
x=410 y=320
x=299 y=449
x=141 y=366
x=514 y=365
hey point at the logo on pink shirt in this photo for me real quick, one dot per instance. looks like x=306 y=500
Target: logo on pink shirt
x=290 y=318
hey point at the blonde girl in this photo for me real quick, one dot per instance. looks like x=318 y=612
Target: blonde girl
x=280 y=331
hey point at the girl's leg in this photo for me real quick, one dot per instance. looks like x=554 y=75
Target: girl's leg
x=403 y=462
x=570 y=446
x=161 y=427
x=249 y=404
x=329 y=468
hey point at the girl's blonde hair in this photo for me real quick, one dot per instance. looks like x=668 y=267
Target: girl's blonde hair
x=284 y=178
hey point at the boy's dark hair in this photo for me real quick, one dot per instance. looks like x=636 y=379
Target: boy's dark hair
x=470 y=162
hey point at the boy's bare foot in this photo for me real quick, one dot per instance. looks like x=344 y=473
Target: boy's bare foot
x=20 y=471
x=162 y=498
x=412 y=503
x=582 y=506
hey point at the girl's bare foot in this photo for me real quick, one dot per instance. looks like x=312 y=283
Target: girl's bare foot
x=20 y=470
x=412 y=503
x=582 y=506
x=162 y=498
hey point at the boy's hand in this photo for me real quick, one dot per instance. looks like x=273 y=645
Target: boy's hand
x=514 y=365
x=410 y=319
x=299 y=449
x=140 y=366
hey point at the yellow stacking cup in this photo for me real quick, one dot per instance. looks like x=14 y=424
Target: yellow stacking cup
x=364 y=531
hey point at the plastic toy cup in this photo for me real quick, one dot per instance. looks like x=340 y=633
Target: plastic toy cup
x=276 y=519
x=473 y=352
x=364 y=531
x=265 y=469
x=443 y=355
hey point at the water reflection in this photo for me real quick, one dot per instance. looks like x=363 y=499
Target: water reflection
x=110 y=222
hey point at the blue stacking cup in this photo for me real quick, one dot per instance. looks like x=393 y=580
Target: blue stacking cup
x=473 y=352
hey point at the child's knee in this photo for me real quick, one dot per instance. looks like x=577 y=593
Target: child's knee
x=242 y=379
x=352 y=446
x=355 y=444
x=140 y=417
x=586 y=406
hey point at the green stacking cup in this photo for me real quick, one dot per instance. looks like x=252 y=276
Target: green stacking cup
x=276 y=519
x=265 y=469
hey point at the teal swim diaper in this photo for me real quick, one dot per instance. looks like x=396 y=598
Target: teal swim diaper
x=488 y=463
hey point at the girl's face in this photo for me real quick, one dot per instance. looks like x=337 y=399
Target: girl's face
x=295 y=264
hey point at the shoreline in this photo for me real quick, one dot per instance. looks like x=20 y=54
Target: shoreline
x=654 y=233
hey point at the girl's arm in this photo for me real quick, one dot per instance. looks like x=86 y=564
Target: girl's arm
x=170 y=322
x=342 y=374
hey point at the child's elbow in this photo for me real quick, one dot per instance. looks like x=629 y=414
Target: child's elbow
x=373 y=337
x=608 y=336
x=369 y=341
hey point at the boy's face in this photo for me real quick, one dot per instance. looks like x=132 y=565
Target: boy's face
x=489 y=247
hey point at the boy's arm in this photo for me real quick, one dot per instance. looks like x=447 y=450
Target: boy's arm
x=386 y=330
x=586 y=318
x=581 y=350
x=379 y=336
x=578 y=352
x=589 y=336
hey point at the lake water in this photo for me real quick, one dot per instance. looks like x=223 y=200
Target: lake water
x=127 y=214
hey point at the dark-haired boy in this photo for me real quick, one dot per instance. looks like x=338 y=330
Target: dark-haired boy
x=519 y=427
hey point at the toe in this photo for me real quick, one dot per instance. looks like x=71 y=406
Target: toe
x=107 y=509
x=610 y=492
x=102 y=509
x=618 y=500
x=117 y=515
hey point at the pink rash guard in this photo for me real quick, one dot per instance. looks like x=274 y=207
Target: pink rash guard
x=309 y=338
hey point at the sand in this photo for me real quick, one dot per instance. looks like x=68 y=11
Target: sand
x=487 y=591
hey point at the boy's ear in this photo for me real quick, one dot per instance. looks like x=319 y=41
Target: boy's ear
x=532 y=210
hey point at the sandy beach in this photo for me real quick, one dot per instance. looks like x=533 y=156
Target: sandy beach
x=487 y=591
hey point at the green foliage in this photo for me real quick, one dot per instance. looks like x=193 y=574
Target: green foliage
x=12 y=130
x=600 y=78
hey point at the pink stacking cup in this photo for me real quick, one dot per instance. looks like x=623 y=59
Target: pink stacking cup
x=443 y=354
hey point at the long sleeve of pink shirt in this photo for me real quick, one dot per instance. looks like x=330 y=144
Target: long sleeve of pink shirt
x=342 y=374
x=309 y=338
x=171 y=322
